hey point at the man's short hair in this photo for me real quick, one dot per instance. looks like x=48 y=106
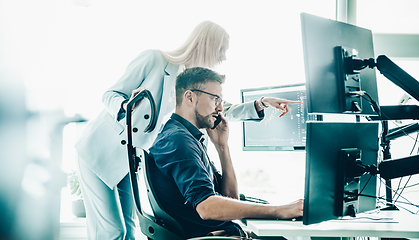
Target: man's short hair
x=195 y=78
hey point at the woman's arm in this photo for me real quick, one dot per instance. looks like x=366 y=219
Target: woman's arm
x=250 y=111
x=241 y=112
x=133 y=77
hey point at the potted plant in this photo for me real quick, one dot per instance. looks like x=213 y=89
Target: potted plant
x=77 y=205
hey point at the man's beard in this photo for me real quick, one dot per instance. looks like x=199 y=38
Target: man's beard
x=204 y=121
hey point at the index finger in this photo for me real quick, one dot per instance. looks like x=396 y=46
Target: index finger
x=290 y=101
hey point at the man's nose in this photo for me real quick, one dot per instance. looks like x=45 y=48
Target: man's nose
x=219 y=108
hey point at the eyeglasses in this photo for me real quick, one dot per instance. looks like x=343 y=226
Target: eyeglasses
x=218 y=99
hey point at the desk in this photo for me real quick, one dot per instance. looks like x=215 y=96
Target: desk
x=392 y=224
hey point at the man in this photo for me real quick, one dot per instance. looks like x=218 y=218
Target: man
x=186 y=182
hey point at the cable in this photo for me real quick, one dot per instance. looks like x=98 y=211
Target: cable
x=398 y=187
x=408 y=202
x=374 y=104
x=382 y=198
x=360 y=192
x=399 y=190
x=413 y=185
x=400 y=206
x=377 y=109
x=414 y=145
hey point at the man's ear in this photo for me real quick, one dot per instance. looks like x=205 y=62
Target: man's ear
x=188 y=97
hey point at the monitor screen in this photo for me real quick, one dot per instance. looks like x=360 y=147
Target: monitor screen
x=326 y=43
x=334 y=186
x=274 y=133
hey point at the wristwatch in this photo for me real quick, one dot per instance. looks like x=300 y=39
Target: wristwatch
x=261 y=104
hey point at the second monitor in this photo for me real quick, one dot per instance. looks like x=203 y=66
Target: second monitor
x=336 y=182
x=274 y=133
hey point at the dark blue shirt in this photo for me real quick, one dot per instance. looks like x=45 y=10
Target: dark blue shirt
x=183 y=176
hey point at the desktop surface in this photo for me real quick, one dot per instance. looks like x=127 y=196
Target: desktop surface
x=399 y=224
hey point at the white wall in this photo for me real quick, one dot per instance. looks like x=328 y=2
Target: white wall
x=73 y=53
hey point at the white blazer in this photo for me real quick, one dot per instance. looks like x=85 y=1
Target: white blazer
x=102 y=145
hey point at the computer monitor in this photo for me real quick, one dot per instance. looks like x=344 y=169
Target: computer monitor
x=274 y=133
x=330 y=88
x=335 y=183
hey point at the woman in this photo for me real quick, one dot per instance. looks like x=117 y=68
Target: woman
x=103 y=163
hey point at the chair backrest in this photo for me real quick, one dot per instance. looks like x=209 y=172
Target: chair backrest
x=159 y=226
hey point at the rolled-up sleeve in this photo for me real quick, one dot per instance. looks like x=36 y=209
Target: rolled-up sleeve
x=192 y=179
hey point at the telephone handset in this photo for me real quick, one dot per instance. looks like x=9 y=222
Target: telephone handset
x=217 y=121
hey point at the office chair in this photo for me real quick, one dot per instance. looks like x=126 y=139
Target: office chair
x=160 y=225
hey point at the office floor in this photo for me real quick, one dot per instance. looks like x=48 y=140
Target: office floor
x=73 y=228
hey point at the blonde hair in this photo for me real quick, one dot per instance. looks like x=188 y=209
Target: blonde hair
x=201 y=49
